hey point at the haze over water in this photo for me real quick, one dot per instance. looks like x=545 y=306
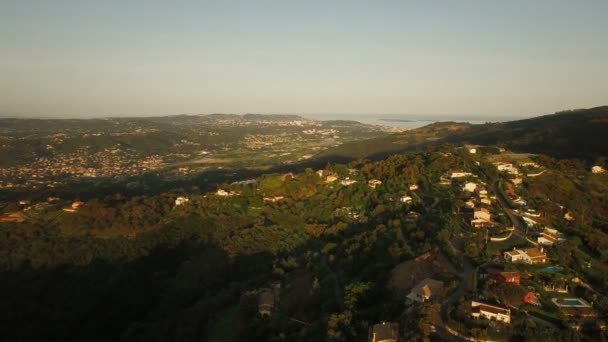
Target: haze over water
x=411 y=121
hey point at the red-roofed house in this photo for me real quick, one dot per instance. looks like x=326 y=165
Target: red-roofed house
x=507 y=277
x=530 y=298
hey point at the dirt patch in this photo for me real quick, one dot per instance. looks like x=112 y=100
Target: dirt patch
x=211 y=161
x=407 y=274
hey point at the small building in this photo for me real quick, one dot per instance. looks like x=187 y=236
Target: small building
x=479 y=223
x=384 y=332
x=405 y=199
x=266 y=302
x=273 y=199
x=426 y=290
x=223 y=193
x=460 y=174
x=531 y=256
x=373 y=183
x=470 y=187
x=347 y=181
x=331 y=178
x=486 y=201
x=77 y=204
x=550 y=237
x=15 y=217
x=288 y=176
x=560 y=287
x=507 y=278
x=412 y=216
x=532 y=212
x=413 y=187
x=181 y=200
x=472 y=150
x=490 y=312
x=597 y=169
x=530 y=298
x=482 y=214
x=507 y=167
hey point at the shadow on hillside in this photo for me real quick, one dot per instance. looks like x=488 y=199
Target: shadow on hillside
x=171 y=292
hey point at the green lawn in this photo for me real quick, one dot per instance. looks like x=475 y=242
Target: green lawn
x=506 y=245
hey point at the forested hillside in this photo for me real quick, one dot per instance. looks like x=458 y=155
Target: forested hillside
x=570 y=134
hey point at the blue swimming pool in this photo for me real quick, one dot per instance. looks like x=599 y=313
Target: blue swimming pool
x=571 y=303
x=552 y=269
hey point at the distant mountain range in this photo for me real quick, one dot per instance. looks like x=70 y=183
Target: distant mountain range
x=580 y=133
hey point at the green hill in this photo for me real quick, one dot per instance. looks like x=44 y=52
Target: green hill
x=569 y=134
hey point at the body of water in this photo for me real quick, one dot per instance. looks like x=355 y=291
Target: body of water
x=412 y=120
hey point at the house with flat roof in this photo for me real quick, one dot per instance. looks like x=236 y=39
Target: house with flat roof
x=482 y=214
x=406 y=199
x=469 y=186
x=459 y=174
x=481 y=310
x=531 y=256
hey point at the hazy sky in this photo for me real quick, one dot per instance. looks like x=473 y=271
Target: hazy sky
x=110 y=58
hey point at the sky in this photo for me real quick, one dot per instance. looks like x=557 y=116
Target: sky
x=137 y=58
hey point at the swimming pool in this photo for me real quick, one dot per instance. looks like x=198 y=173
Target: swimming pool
x=571 y=302
x=552 y=269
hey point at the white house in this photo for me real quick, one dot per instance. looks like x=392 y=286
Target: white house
x=224 y=193
x=413 y=187
x=486 y=201
x=331 y=178
x=491 y=312
x=472 y=150
x=347 y=182
x=482 y=214
x=406 y=199
x=460 y=174
x=529 y=256
x=373 y=183
x=597 y=169
x=273 y=199
x=508 y=167
x=569 y=216
x=550 y=237
x=181 y=200
x=470 y=187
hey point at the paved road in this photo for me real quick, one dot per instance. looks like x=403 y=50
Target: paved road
x=463 y=287
x=519 y=226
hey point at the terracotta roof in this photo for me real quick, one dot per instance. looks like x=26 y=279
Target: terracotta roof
x=534 y=253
